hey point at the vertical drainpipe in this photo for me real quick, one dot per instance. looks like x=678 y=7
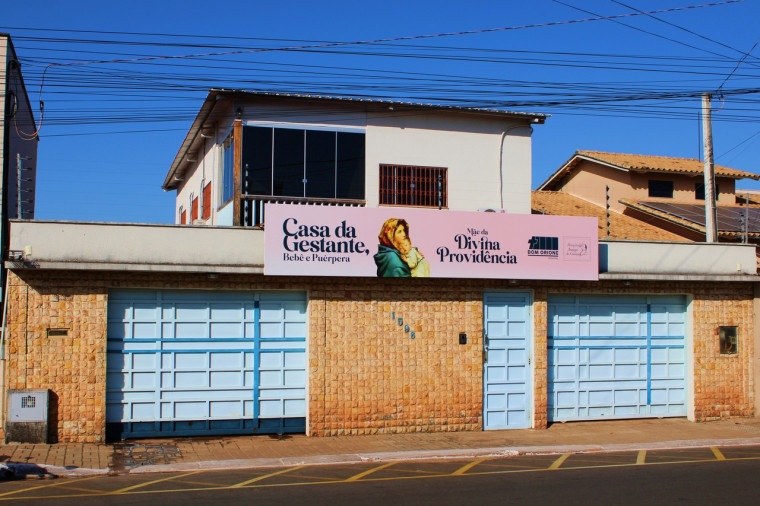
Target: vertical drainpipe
x=237 y=138
x=501 y=160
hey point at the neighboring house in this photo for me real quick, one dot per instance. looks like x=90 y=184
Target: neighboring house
x=664 y=192
x=276 y=314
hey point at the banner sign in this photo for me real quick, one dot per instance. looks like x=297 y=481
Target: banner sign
x=306 y=240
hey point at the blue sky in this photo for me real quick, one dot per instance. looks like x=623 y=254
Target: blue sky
x=111 y=128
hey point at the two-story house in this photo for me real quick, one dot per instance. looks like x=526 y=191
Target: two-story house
x=664 y=192
x=343 y=266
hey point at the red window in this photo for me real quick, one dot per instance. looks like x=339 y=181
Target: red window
x=406 y=185
x=206 y=202
x=194 y=210
x=183 y=217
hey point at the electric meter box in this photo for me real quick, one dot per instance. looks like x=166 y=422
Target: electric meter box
x=26 y=419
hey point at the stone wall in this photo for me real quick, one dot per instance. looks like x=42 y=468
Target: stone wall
x=366 y=373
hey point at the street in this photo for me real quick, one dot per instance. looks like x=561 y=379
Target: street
x=697 y=476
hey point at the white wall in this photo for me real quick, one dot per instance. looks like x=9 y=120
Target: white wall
x=206 y=169
x=488 y=157
x=469 y=146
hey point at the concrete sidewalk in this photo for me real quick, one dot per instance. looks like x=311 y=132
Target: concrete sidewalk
x=239 y=452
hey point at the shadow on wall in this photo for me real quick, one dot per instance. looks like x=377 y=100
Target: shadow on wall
x=52 y=417
x=604 y=254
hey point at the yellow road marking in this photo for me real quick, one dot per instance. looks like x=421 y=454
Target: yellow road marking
x=641 y=458
x=558 y=462
x=262 y=477
x=51 y=485
x=368 y=472
x=466 y=467
x=140 y=485
x=555 y=465
x=718 y=454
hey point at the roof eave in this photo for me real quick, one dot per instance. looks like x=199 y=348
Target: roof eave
x=171 y=182
x=570 y=165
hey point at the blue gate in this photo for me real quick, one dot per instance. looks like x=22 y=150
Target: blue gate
x=205 y=362
x=616 y=357
x=506 y=370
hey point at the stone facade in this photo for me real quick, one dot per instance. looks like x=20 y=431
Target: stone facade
x=366 y=374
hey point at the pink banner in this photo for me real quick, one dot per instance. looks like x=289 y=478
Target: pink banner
x=411 y=242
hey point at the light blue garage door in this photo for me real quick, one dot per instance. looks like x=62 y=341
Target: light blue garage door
x=616 y=357
x=506 y=370
x=205 y=362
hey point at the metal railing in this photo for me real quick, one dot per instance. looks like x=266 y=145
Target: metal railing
x=252 y=206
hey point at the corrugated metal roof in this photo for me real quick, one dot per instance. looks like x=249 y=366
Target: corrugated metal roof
x=491 y=110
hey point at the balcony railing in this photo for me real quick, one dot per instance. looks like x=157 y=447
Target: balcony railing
x=252 y=206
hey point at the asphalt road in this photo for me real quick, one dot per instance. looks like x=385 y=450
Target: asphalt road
x=688 y=476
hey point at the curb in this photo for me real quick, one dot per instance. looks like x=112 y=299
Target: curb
x=505 y=451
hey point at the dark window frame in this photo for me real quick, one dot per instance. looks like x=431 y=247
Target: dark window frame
x=337 y=171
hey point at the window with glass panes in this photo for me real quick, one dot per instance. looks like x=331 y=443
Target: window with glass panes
x=294 y=162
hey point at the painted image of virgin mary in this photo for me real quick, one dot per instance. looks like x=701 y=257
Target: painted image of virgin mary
x=396 y=257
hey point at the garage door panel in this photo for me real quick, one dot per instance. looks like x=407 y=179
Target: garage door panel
x=143 y=410
x=600 y=372
x=600 y=356
x=295 y=360
x=191 y=330
x=294 y=407
x=188 y=360
x=226 y=330
x=221 y=361
x=626 y=371
x=567 y=328
x=197 y=373
x=565 y=372
x=295 y=378
x=226 y=409
x=631 y=359
x=226 y=379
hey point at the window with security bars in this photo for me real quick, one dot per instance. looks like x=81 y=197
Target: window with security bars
x=407 y=185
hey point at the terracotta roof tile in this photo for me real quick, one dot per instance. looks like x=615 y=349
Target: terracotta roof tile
x=621 y=226
x=648 y=163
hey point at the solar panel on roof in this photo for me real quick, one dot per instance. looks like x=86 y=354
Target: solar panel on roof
x=730 y=219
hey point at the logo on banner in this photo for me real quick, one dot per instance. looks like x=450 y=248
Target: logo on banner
x=577 y=248
x=539 y=246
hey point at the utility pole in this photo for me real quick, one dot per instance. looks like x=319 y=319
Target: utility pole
x=711 y=230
